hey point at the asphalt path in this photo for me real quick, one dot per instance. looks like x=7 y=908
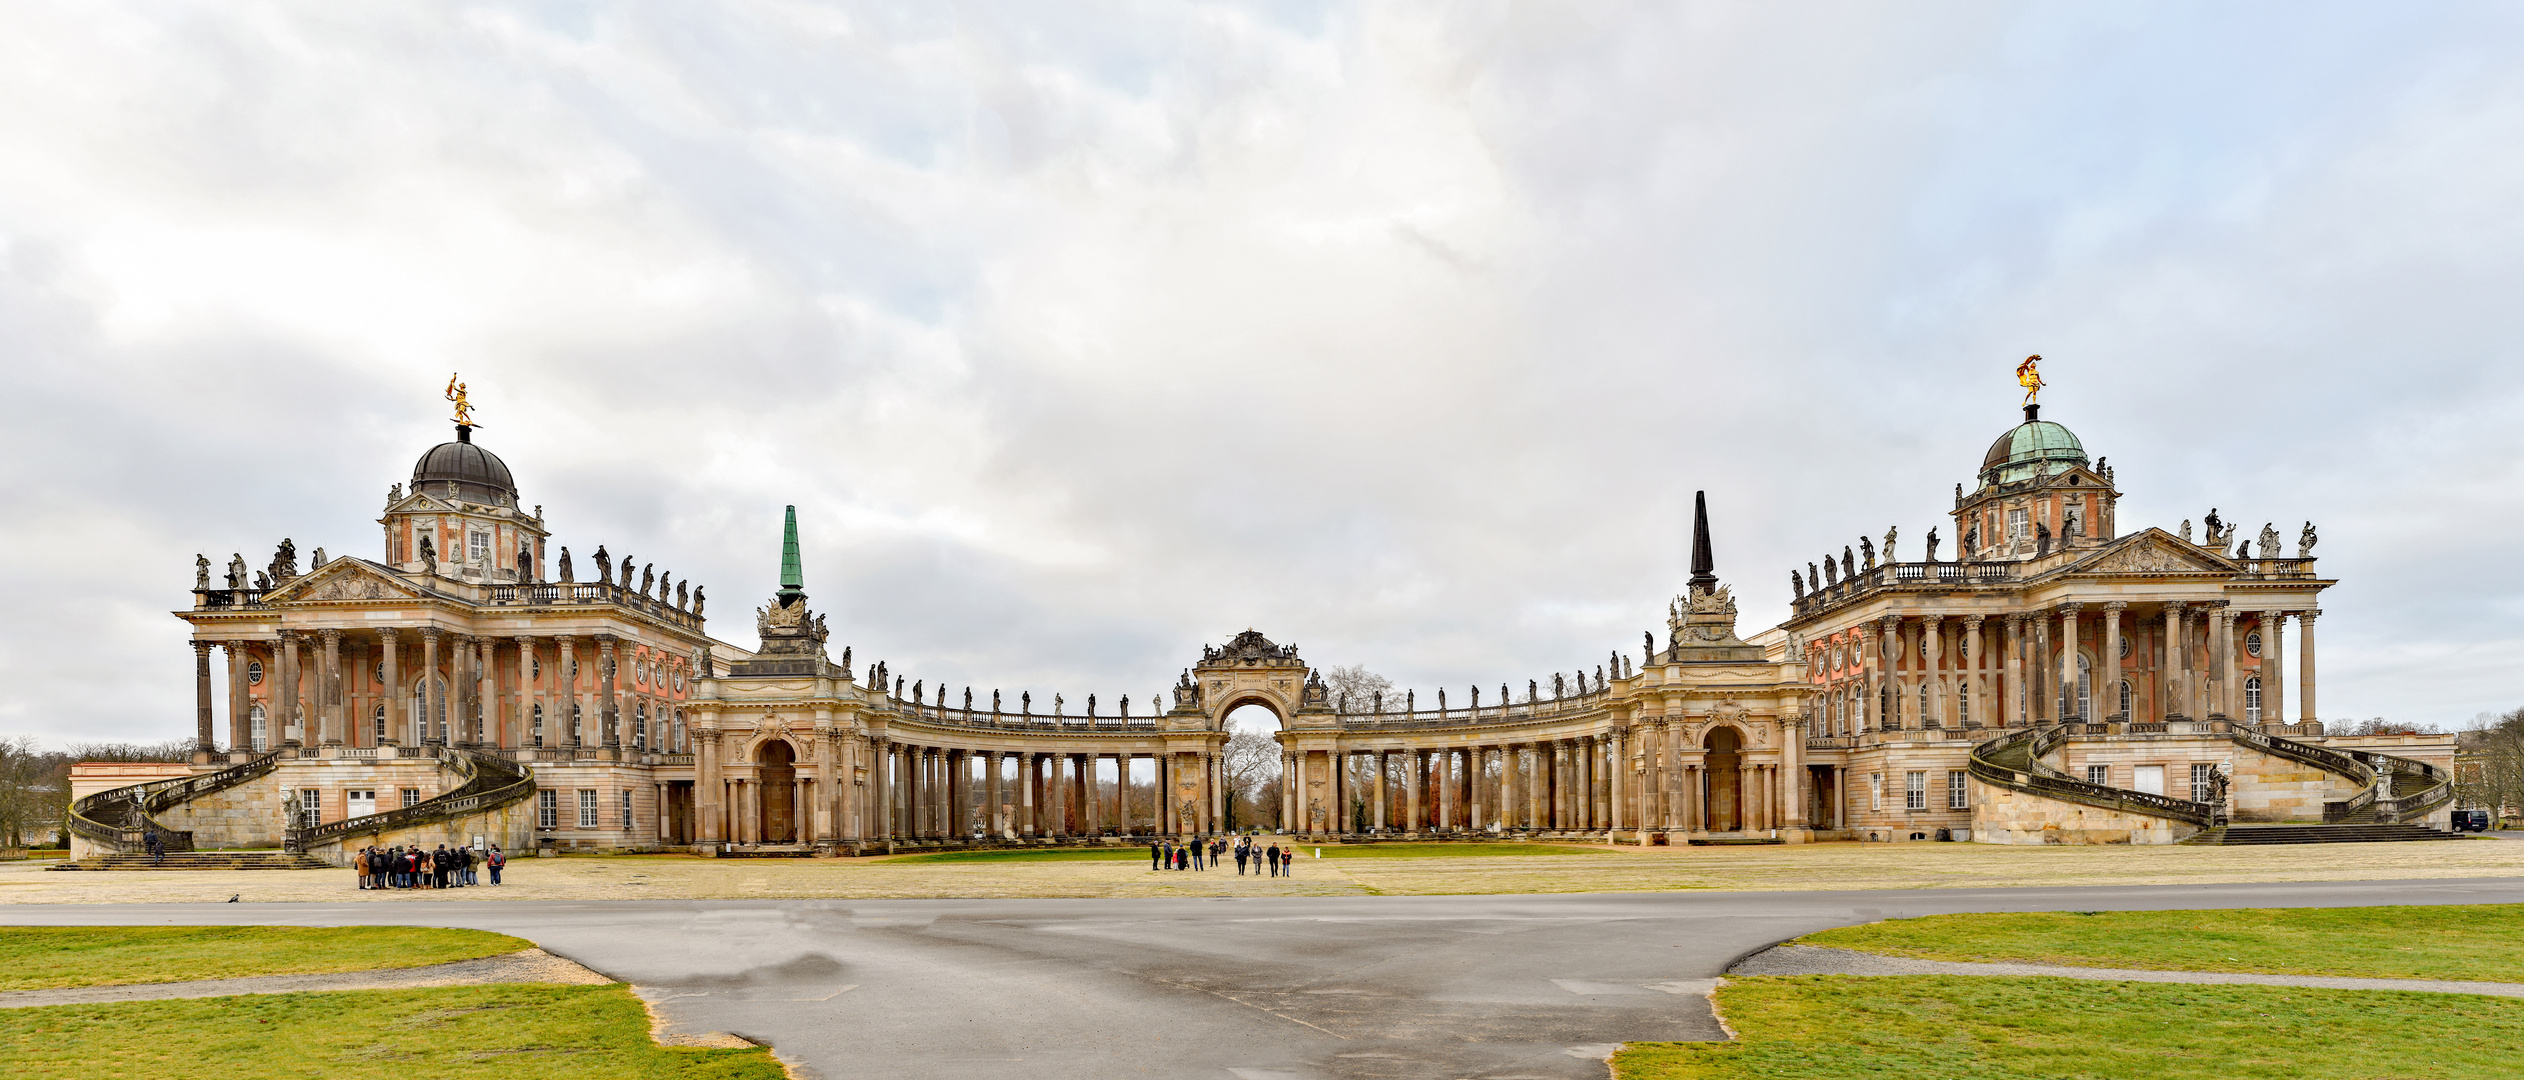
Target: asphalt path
x=1262 y=988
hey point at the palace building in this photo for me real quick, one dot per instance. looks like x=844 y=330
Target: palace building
x=2058 y=679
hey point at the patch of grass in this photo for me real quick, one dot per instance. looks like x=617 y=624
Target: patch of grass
x=1466 y=850
x=2482 y=942
x=502 y=1032
x=1832 y=1027
x=47 y=957
x=1017 y=855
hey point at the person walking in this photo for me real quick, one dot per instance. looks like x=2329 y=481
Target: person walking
x=1242 y=854
x=1156 y=854
x=1273 y=855
x=1288 y=862
x=1195 y=846
x=496 y=860
x=157 y=848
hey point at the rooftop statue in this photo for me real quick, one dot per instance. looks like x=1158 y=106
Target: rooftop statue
x=697 y=601
x=236 y=570
x=464 y=408
x=1890 y=532
x=604 y=566
x=2269 y=541
x=2305 y=542
x=1932 y=545
x=2029 y=376
x=201 y=572
x=566 y=576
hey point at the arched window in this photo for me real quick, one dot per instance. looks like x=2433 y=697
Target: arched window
x=1963 y=703
x=2084 y=705
x=2252 y=700
x=576 y=730
x=1927 y=717
x=640 y=726
x=2125 y=694
x=538 y=721
x=377 y=719
x=258 y=729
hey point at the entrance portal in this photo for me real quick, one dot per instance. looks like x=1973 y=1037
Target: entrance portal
x=779 y=777
x=1726 y=788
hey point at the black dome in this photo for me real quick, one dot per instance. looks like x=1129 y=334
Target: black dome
x=479 y=475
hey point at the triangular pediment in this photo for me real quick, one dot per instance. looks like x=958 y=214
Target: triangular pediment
x=2154 y=551
x=343 y=579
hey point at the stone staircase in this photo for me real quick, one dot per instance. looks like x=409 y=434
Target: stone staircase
x=198 y=860
x=2226 y=835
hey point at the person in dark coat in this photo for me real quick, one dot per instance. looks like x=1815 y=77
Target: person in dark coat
x=1156 y=854
x=1273 y=858
x=1243 y=855
x=496 y=860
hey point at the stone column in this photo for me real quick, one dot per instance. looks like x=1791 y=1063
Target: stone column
x=487 y=693
x=995 y=821
x=1620 y=788
x=2176 y=635
x=1696 y=798
x=2221 y=661
x=1886 y=719
x=709 y=790
x=204 y=739
x=284 y=692
x=1933 y=673
x=1677 y=772
x=2274 y=667
x=2305 y=667
x=2109 y=660
x=1976 y=677
x=328 y=688
x=1442 y=776
x=529 y=694
x=608 y=707
x=1792 y=775
x=1538 y=793
x=2014 y=705
x=241 y=699
x=1476 y=766
x=2068 y=660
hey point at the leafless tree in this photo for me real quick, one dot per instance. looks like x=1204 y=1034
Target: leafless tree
x=34 y=790
x=1354 y=690
x=1253 y=772
x=2489 y=764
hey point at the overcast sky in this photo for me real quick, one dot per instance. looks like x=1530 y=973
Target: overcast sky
x=1082 y=335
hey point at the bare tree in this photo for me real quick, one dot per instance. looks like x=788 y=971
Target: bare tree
x=2489 y=764
x=1253 y=772
x=170 y=750
x=1354 y=690
x=34 y=790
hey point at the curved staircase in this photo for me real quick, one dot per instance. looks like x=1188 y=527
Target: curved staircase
x=120 y=820
x=2394 y=793
x=488 y=782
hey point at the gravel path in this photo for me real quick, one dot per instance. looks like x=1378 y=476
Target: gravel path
x=1813 y=960
x=527 y=966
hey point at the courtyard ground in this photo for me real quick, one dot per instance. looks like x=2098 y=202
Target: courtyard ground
x=1358 y=870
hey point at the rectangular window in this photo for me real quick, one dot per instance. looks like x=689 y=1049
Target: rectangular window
x=2099 y=775
x=1958 y=791
x=2017 y=527
x=1917 y=790
x=1875 y=791
x=587 y=809
x=2200 y=782
x=2148 y=778
x=359 y=803
x=626 y=808
x=310 y=808
x=547 y=809
x=478 y=547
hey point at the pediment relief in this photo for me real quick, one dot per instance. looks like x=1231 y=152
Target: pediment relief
x=342 y=579
x=2152 y=552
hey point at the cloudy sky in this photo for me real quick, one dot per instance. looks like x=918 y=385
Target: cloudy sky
x=1084 y=334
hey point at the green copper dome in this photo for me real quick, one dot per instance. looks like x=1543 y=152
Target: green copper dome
x=2032 y=449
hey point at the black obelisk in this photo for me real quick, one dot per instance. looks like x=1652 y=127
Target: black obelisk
x=1703 y=568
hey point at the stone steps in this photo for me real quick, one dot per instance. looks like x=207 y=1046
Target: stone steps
x=2314 y=834
x=199 y=860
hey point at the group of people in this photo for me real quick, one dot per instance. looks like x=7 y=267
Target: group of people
x=1208 y=854
x=444 y=867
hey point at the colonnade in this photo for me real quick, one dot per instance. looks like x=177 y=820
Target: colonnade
x=487 y=691
x=1939 y=670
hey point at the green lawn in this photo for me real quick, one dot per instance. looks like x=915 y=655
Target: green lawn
x=1468 y=849
x=2482 y=942
x=39 y=957
x=1832 y=1027
x=491 y=1032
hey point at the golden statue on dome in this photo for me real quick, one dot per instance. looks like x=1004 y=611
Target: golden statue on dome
x=2029 y=376
x=464 y=408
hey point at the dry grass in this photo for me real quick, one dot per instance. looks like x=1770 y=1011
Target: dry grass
x=1790 y=867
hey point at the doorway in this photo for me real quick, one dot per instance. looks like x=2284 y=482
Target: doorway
x=1725 y=780
x=779 y=778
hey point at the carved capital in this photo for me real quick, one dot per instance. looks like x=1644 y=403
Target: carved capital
x=2116 y=606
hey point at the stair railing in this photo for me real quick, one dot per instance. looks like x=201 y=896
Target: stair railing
x=107 y=818
x=486 y=782
x=2014 y=761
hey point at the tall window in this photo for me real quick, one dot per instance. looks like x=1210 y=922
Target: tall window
x=2252 y=700
x=258 y=728
x=2017 y=526
x=378 y=721
x=2200 y=781
x=1892 y=709
x=1958 y=791
x=538 y=729
x=587 y=809
x=1963 y=703
x=2125 y=697
x=1917 y=790
x=640 y=726
x=547 y=809
x=478 y=547
x=626 y=808
x=1875 y=791
x=310 y=808
x=2084 y=705
x=1927 y=719
x=576 y=731
x=2099 y=775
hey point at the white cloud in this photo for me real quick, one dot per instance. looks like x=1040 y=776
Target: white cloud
x=1081 y=336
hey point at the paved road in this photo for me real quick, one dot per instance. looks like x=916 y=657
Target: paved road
x=1280 y=988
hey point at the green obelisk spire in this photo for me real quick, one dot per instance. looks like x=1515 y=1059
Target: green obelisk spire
x=792 y=575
